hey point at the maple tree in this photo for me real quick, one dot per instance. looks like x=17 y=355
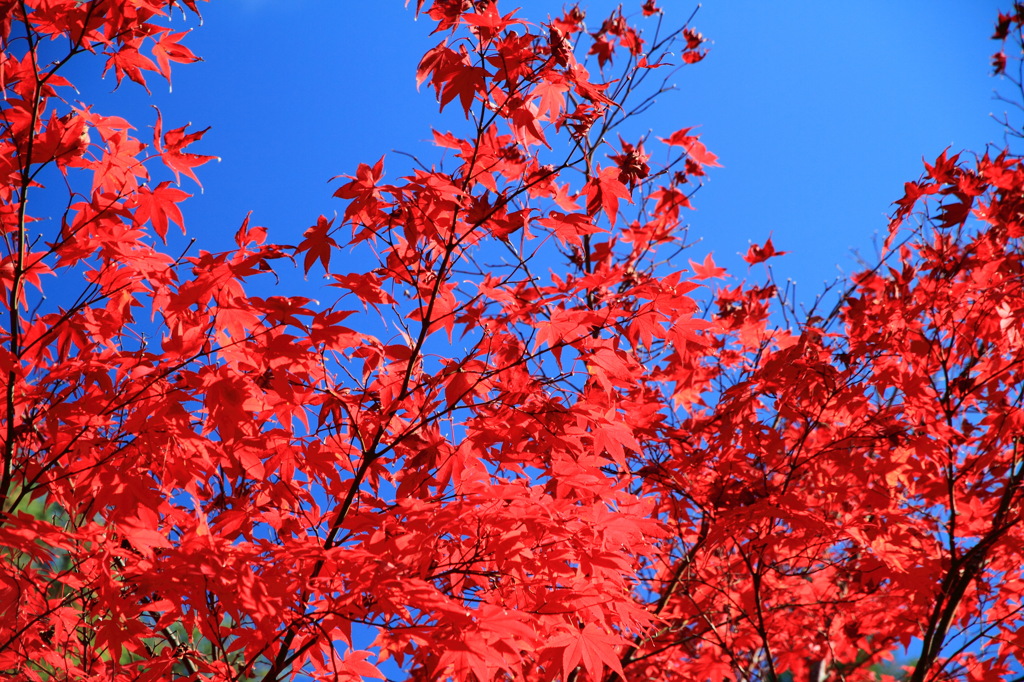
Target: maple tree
x=553 y=460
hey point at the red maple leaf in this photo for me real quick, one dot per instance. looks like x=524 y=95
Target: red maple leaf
x=694 y=148
x=158 y=206
x=174 y=141
x=759 y=253
x=707 y=269
x=591 y=647
x=317 y=243
x=604 y=191
x=168 y=49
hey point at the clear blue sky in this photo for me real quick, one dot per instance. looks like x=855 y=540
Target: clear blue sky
x=819 y=112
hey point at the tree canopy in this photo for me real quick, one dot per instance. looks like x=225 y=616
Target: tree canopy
x=527 y=437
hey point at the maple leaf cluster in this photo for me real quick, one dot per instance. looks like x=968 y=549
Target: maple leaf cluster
x=561 y=459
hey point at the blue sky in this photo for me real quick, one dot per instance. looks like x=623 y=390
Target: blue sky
x=819 y=112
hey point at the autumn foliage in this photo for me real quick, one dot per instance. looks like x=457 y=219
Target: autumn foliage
x=532 y=440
